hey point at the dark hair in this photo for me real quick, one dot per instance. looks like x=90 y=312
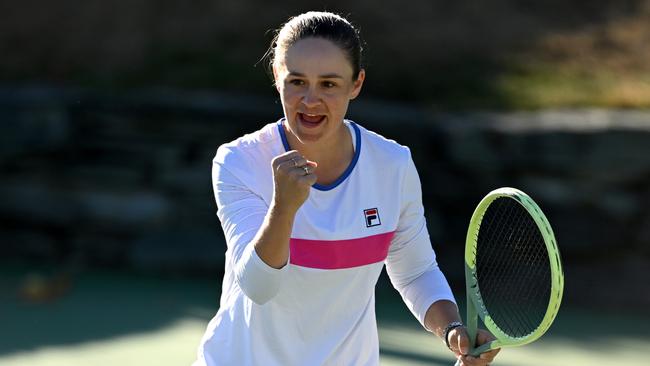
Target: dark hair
x=329 y=26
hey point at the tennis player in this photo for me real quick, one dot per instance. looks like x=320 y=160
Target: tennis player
x=312 y=206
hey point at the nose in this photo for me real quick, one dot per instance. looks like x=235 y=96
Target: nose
x=311 y=98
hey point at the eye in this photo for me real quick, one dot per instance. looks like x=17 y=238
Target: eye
x=328 y=84
x=296 y=82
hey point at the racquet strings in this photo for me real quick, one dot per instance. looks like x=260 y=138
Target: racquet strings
x=512 y=268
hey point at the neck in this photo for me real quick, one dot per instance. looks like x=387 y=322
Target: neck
x=333 y=155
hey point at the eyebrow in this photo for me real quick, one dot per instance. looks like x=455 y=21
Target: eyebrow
x=324 y=76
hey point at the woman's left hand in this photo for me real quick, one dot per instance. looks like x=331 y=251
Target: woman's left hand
x=459 y=344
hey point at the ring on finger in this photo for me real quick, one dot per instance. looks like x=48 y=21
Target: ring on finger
x=306 y=169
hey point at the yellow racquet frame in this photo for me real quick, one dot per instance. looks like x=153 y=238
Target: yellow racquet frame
x=475 y=305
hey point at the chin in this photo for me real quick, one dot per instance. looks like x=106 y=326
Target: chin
x=308 y=137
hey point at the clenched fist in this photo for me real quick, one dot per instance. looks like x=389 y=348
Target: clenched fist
x=293 y=176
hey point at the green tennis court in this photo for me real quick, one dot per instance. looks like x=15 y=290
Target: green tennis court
x=126 y=319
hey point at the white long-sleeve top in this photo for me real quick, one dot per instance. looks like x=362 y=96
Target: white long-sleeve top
x=318 y=309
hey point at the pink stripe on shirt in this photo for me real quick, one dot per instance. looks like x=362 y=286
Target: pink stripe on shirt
x=337 y=254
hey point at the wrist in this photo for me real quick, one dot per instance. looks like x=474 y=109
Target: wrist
x=451 y=326
x=282 y=211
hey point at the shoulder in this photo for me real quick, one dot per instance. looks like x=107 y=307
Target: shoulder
x=383 y=149
x=249 y=148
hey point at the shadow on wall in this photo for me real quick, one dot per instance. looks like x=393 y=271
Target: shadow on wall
x=93 y=180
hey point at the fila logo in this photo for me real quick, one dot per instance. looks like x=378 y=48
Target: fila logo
x=372 y=217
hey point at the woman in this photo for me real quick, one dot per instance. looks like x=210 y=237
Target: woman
x=311 y=207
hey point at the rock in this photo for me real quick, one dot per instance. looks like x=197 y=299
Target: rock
x=124 y=180
x=133 y=210
x=179 y=249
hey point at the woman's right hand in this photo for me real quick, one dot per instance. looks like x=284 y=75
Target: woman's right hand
x=459 y=344
x=293 y=176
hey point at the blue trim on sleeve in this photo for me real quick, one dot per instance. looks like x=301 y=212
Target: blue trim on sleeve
x=347 y=171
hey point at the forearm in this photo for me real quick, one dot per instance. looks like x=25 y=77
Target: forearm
x=439 y=315
x=259 y=270
x=272 y=240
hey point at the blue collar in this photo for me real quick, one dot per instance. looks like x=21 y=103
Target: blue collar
x=347 y=171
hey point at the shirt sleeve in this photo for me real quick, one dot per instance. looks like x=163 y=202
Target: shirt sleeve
x=411 y=262
x=242 y=213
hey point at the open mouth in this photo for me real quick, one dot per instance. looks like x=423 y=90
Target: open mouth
x=310 y=120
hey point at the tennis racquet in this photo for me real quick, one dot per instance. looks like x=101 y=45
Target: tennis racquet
x=513 y=272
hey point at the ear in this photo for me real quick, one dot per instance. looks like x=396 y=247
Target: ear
x=356 y=87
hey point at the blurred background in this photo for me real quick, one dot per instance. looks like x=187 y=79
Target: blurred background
x=111 y=112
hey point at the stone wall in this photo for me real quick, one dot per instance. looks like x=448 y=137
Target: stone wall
x=95 y=179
